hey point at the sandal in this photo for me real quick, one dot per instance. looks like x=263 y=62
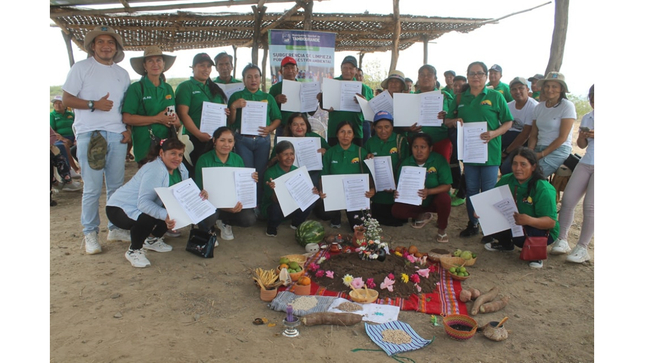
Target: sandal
x=424 y=219
x=442 y=238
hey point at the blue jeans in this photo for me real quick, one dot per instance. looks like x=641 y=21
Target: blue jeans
x=552 y=162
x=479 y=178
x=113 y=173
x=63 y=151
x=255 y=154
x=279 y=131
x=367 y=131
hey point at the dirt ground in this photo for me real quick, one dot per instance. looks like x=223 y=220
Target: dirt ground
x=187 y=309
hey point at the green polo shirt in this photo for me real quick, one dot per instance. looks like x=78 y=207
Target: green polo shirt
x=323 y=143
x=174 y=178
x=396 y=146
x=339 y=161
x=438 y=133
x=275 y=90
x=273 y=112
x=273 y=172
x=488 y=106
x=233 y=80
x=355 y=118
x=210 y=160
x=437 y=172
x=504 y=89
x=449 y=91
x=62 y=123
x=536 y=95
x=540 y=202
x=193 y=93
x=153 y=100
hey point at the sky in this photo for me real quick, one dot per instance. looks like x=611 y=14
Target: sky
x=520 y=44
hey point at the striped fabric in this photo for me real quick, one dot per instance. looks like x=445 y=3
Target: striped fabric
x=374 y=332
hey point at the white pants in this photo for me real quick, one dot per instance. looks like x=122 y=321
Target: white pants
x=581 y=183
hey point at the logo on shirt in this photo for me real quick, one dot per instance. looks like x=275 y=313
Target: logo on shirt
x=528 y=200
x=486 y=102
x=334 y=161
x=147 y=97
x=355 y=160
x=168 y=97
x=432 y=170
x=394 y=150
x=196 y=92
x=70 y=116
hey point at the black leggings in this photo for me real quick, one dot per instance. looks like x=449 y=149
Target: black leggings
x=506 y=238
x=140 y=229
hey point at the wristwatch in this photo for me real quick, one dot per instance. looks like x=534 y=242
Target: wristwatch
x=90 y=104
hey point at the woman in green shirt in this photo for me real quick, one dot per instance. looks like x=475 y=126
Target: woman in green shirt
x=191 y=96
x=270 y=207
x=535 y=199
x=149 y=104
x=434 y=195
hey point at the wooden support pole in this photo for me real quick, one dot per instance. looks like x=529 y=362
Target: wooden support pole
x=68 y=42
x=265 y=56
x=425 y=49
x=234 y=60
x=397 y=35
x=360 y=59
x=258 y=13
x=309 y=9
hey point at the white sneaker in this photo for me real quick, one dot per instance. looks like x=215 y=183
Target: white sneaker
x=227 y=230
x=118 y=234
x=579 y=255
x=560 y=247
x=172 y=234
x=137 y=258
x=536 y=264
x=92 y=245
x=72 y=187
x=156 y=244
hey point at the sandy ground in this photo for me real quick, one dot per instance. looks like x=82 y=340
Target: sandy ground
x=187 y=309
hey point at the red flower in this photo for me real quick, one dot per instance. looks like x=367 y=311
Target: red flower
x=415 y=278
x=390 y=276
x=320 y=273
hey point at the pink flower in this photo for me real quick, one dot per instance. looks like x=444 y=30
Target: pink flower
x=433 y=268
x=405 y=254
x=418 y=287
x=320 y=273
x=424 y=272
x=329 y=274
x=370 y=283
x=313 y=267
x=415 y=278
x=357 y=282
x=391 y=276
x=411 y=258
x=387 y=284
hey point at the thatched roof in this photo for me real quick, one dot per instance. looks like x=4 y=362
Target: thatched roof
x=190 y=30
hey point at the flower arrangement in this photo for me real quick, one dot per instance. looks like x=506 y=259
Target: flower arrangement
x=372 y=227
x=371 y=250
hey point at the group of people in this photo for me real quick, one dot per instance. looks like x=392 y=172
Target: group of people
x=164 y=126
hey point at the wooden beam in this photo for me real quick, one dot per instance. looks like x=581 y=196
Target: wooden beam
x=397 y=35
x=234 y=60
x=308 y=6
x=258 y=12
x=265 y=56
x=275 y=23
x=425 y=49
x=68 y=42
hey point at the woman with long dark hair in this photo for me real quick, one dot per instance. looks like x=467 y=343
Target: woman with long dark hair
x=191 y=96
x=535 y=200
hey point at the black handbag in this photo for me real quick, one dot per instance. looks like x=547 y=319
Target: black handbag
x=572 y=161
x=202 y=243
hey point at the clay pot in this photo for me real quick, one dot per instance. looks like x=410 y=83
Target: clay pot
x=495 y=332
x=302 y=289
x=359 y=236
x=268 y=295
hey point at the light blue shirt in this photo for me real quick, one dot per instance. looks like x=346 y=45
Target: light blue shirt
x=138 y=195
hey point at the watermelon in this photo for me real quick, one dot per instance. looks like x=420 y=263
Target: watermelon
x=310 y=232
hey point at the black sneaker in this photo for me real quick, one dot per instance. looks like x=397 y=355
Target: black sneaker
x=272 y=231
x=471 y=230
x=488 y=239
x=496 y=246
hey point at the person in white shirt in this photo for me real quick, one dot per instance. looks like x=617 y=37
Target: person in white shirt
x=95 y=88
x=581 y=183
x=522 y=110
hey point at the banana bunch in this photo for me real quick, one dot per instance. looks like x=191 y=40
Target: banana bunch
x=265 y=278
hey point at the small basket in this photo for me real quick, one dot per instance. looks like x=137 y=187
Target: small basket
x=457 y=277
x=436 y=254
x=470 y=262
x=450 y=320
x=448 y=262
x=299 y=259
x=364 y=296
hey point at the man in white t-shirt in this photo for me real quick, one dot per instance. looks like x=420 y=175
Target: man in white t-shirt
x=522 y=110
x=95 y=88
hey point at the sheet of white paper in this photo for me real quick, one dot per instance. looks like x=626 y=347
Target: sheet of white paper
x=383 y=173
x=335 y=192
x=183 y=203
x=231 y=88
x=406 y=109
x=411 y=180
x=254 y=116
x=348 y=91
x=470 y=147
x=430 y=106
x=368 y=113
x=331 y=93
x=300 y=188
x=375 y=313
x=246 y=188
x=306 y=149
x=382 y=102
x=213 y=117
x=490 y=219
x=355 y=188
x=219 y=182
x=508 y=207
x=287 y=203
x=309 y=96
x=291 y=89
x=370 y=165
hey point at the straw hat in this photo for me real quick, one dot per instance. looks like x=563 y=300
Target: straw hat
x=153 y=50
x=395 y=75
x=100 y=30
x=554 y=76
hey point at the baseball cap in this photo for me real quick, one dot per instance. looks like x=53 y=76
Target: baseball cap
x=521 y=80
x=450 y=72
x=350 y=59
x=202 y=57
x=496 y=68
x=537 y=77
x=288 y=60
x=383 y=115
